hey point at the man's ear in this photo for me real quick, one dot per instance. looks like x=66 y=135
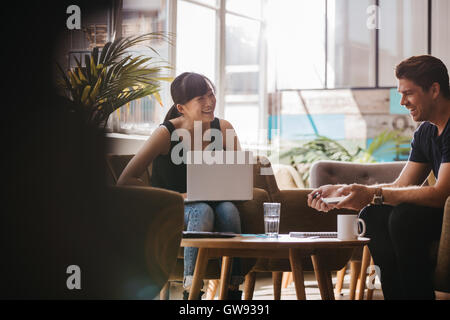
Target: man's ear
x=435 y=90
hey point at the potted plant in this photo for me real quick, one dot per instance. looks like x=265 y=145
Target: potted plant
x=113 y=77
x=323 y=148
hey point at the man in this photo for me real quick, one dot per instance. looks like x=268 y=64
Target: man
x=403 y=218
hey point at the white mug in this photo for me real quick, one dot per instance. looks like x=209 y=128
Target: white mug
x=347 y=226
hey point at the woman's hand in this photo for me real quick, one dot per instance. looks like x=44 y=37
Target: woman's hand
x=315 y=197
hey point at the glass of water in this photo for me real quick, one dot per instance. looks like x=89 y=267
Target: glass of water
x=271 y=219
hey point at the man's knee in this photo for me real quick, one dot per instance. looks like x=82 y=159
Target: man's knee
x=399 y=220
x=371 y=214
x=375 y=217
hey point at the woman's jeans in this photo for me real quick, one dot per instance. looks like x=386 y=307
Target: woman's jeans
x=210 y=216
x=400 y=243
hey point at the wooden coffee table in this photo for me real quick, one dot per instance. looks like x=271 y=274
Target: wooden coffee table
x=283 y=247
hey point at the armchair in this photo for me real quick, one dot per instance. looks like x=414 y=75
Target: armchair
x=146 y=227
x=249 y=210
x=335 y=172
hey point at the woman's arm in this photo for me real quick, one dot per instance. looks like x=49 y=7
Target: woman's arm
x=230 y=138
x=158 y=143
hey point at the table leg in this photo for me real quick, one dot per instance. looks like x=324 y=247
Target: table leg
x=363 y=273
x=323 y=277
x=249 y=285
x=199 y=272
x=369 y=290
x=297 y=273
x=225 y=275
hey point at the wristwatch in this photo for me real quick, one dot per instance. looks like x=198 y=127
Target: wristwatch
x=378 y=197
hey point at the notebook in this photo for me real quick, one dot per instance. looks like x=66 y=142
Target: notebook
x=313 y=234
x=206 y=234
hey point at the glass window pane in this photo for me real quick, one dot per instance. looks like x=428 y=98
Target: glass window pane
x=214 y=3
x=403 y=33
x=251 y=8
x=296 y=39
x=245 y=120
x=196 y=39
x=351 y=45
x=242 y=38
x=242 y=55
x=242 y=83
x=243 y=76
x=440 y=41
x=139 y=17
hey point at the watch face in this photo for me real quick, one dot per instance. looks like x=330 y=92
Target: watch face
x=378 y=200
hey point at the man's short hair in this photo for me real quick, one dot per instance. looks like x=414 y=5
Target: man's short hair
x=425 y=70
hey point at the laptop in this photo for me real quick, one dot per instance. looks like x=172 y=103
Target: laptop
x=219 y=175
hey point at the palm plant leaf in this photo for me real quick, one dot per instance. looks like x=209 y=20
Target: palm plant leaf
x=114 y=77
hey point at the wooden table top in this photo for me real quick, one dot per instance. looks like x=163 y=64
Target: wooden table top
x=261 y=242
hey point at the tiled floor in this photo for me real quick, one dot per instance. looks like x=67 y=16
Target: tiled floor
x=264 y=289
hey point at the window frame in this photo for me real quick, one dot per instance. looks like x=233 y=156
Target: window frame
x=220 y=81
x=377 y=55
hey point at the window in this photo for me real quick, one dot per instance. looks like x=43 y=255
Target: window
x=196 y=39
x=141 y=116
x=223 y=40
x=351 y=45
x=403 y=33
x=296 y=44
x=95 y=32
x=325 y=44
x=440 y=30
x=244 y=69
x=296 y=37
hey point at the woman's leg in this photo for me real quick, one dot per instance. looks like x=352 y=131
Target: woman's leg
x=198 y=216
x=413 y=228
x=227 y=219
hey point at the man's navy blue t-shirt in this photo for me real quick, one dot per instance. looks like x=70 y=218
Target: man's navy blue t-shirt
x=428 y=147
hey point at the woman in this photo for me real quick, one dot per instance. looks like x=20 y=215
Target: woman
x=194 y=100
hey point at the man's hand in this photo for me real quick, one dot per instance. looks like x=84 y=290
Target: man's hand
x=358 y=196
x=315 y=197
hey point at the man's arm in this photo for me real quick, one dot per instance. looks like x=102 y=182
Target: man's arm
x=414 y=173
x=401 y=190
x=430 y=196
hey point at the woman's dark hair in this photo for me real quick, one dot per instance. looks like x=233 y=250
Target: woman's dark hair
x=186 y=87
x=425 y=70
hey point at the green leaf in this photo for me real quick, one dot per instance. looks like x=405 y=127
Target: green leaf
x=104 y=51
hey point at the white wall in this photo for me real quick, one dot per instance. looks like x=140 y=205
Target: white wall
x=124 y=144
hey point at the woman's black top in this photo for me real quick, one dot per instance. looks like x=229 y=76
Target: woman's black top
x=165 y=173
